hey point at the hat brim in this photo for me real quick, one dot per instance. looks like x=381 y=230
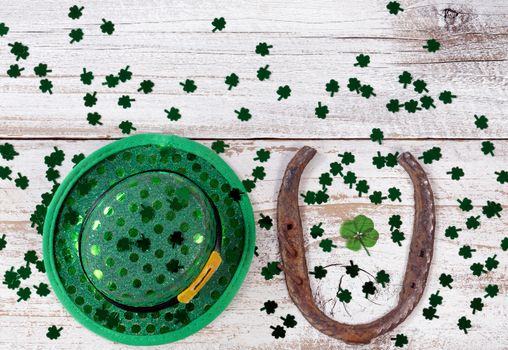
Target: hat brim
x=203 y=316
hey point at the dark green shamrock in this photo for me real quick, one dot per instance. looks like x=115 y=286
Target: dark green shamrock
x=452 y=232
x=491 y=290
x=262 y=155
x=147 y=213
x=446 y=97
x=456 y=173
x=77 y=158
x=11 y=279
x=124 y=244
x=359 y=233
x=350 y=179
x=362 y=187
x=126 y=127
x=420 y=86
x=86 y=77
x=464 y=324
x=173 y=266
x=258 y=173
x=46 y=85
x=354 y=85
x=377 y=135
x=362 y=60
x=269 y=307
x=391 y=159
x=52 y=174
x=382 y=278
x=435 y=299
x=235 y=194
x=55 y=158
x=309 y=197
x=173 y=114
x=232 y=81
x=430 y=313
x=271 y=269
x=94 y=118
x=218 y=24
x=491 y=263
x=263 y=49
x=54 y=332
x=321 y=111
x=336 y=169
x=146 y=86
x=502 y=176
x=23 y=294
x=111 y=81
x=347 y=158
x=325 y=180
x=321 y=197
x=477 y=269
x=377 y=197
x=427 y=102
x=394 y=9
x=411 y=106
x=289 y=321
x=319 y=272
x=264 y=73
x=367 y=91
x=432 y=45
x=446 y=280
x=125 y=101
x=332 y=87
x=41 y=70
x=7 y=151
x=400 y=339
x=3 y=242
x=24 y=271
x=19 y=50
x=394 y=105
x=189 y=86
x=21 y=181
x=125 y=74
x=327 y=245
x=284 y=92
x=344 y=295
x=488 y=148
x=395 y=222
x=248 y=184
x=219 y=146
x=265 y=222
x=42 y=289
x=504 y=244
x=405 y=79
x=465 y=204
x=107 y=27
x=476 y=305
x=3 y=29
x=368 y=288
x=143 y=243
x=352 y=269
x=14 y=71
x=90 y=99
x=394 y=194
x=492 y=209
x=243 y=114
x=278 y=332
x=473 y=222
x=466 y=251
x=317 y=231
x=481 y=122
x=76 y=35
x=431 y=155
x=75 y=12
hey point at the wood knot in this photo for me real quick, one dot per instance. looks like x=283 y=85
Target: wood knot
x=450 y=15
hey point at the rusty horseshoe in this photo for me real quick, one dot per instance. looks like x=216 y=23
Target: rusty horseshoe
x=294 y=265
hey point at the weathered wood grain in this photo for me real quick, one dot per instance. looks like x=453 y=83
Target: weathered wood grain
x=242 y=325
x=313 y=42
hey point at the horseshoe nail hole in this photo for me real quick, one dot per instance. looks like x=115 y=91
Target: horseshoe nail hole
x=289 y=226
x=413 y=285
x=422 y=253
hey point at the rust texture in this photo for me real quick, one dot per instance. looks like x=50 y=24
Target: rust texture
x=294 y=265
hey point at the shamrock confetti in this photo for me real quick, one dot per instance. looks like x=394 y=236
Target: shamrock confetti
x=189 y=86
x=491 y=290
x=377 y=135
x=332 y=87
x=336 y=169
x=21 y=181
x=54 y=332
x=7 y=151
x=42 y=289
x=344 y=295
x=262 y=155
x=219 y=146
x=477 y=269
x=125 y=101
x=362 y=61
x=289 y=321
x=41 y=70
x=476 y=305
x=173 y=114
x=146 y=86
x=354 y=85
x=327 y=245
x=278 y=332
x=452 y=232
x=466 y=252
x=258 y=173
x=46 y=85
x=367 y=91
x=481 y=122
x=75 y=12
x=362 y=187
x=391 y=159
x=431 y=155
x=265 y=222
x=405 y=79
x=368 y=288
x=3 y=29
x=465 y=204
x=271 y=269
x=376 y=197
x=321 y=111
x=23 y=294
x=420 y=86
x=427 y=102
x=269 y=306
x=125 y=74
x=488 y=148
x=284 y=92
x=492 y=209
x=352 y=269
x=350 y=179
x=264 y=73
x=126 y=127
x=3 y=242
x=347 y=158
x=243 y=114
x=14 y=71
x=94 y=118
x=432 y=45
x=473 y=222
x=429 y=313
x=19 y=50
x=382 y=278
x=218 y=24
x=394 y=9
x=359 y=233
x=77 y=158
x=173 y=266
x=446 y=280
x=394 y=194
x=504 y=244
x=55 y=158
x=317 y=231
x=31 y=257
x=464 y=324
x=111 y=81
x=502 y=176
x=394 y=106
x=446 y=97
x=491 y=263
x=86 y=77
x=263 y=49
x=411 y=106
x=319 y=272
x=76 y=35
x=232 y=81
x=395 y=222
x=11 y=279
x=435 y=299
x=90 y=99
x=107 y=27
x=400 y=339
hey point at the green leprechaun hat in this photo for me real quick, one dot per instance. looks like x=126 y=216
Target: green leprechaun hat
x=148 y=239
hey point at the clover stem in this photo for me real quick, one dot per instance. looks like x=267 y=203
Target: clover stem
x=364 y=247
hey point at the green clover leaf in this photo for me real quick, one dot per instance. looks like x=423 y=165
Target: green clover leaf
x=359 y=233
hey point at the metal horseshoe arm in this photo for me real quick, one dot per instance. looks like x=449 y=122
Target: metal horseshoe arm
x=294 y=265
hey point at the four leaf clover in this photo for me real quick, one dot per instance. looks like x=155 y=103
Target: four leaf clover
x=359 y=233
